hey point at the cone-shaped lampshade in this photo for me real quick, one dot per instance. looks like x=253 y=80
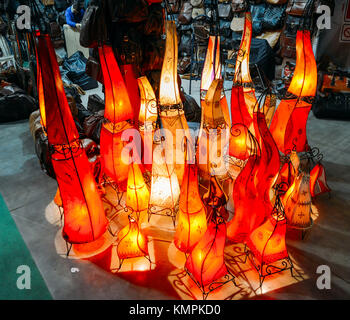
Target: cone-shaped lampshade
x=243 y=98
x=297 y=202
x=41 y=97
x=192 y=220
x=206 y=261
x=132 y=242
x=147 y=119
x=165 y=189
x=288 y=126
x=318 y=182
x=240 y=141
x=212 y=135
x=171 y=109
x=84 y=217
x=118 y=115
x=268 y=242
x=137 y=194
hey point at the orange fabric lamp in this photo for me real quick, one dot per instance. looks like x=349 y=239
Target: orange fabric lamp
x=84 y=216
x=212 y=135
x=147 y=118
x=41 y=97
x=192 y=220
x=170 y=105
x=240 y=141
x=118 y=117
x=211 y=71
x=318 y=182
x=132 y=243
x=137 y=194
x=288 y=126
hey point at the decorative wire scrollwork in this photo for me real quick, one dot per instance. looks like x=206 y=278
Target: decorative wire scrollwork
x=66 y=151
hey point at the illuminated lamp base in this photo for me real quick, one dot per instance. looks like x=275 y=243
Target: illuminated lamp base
x=154 y=210
x=83 y=251
x=264 y=269
x=216 y=285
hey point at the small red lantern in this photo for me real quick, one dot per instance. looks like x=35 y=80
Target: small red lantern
x=318 y=182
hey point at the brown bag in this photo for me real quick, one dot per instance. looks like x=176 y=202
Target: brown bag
x=288 y=46
x=93 y=69
x=298 y=7
x=185 y=13
x=173 y=6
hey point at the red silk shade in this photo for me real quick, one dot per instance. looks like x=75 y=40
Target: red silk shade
x=206 y=261
x=118 y=115
x=318 y=182
x=288 y=126
x=192 y=221
x=84 y=217
x=132 y=243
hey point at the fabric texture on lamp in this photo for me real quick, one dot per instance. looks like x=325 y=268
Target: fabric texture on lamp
x=84 y=217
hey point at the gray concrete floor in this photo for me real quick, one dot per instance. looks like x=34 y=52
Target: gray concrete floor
x=27 y=192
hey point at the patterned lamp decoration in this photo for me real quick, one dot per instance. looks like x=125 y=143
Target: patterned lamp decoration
x=297 y=203
x=192 y=220
x=212 y=135
x=132 y=243
x=170 y=105
x=147 y=119
x=288 y=126
x=118 y=117
x=205 y=264
x=211 y=71
x=84 y=216
x=266 y=245
x=165 y=189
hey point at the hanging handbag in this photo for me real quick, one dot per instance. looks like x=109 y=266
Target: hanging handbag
x=225 y=28
x=288 y=46
x=93 y=26
x=201 y=29
x=185 y=14
x=298 y=7
x=196 y=12
x=185 y=44
x=293 y=23
x=273 y=17
x=257 y=11
x=237 y=24
x=239 y=5
x=225 y=11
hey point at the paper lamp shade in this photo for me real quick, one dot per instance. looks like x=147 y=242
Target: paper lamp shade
x=84 y=217
x=318 y=182
x=118 y=115
x=192 y=220
x=288 y=126
x=240 y=141
x=206 y=261
x=132 y=243
x=268 y=242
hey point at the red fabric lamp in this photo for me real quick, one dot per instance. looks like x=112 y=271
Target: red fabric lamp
x=118 y=115
x=288 y=126
x=318 y=182
x=84 y=217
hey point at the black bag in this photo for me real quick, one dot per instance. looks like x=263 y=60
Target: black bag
x=95 y=103
x=225 y=28
x=191 y=109
x=61 y=5
x=274 y=17
x=333 y=105
x=201 y=29
x=257 y=11
x=93 y=26
x=92 y=126
x=17 y=106
x=185 y=44
x=93 y=69
x=293 y=24
x=83 y=113
x=239 y=5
